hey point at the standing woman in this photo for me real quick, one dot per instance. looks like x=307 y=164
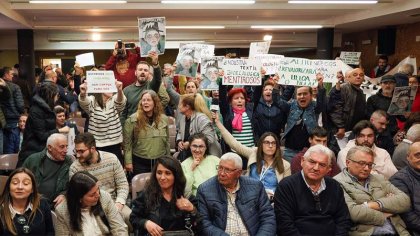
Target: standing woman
x=88 y=210
x=104 y=111
x=41 y=122
x=146 y=134
x=161 y=206
x=23 y=211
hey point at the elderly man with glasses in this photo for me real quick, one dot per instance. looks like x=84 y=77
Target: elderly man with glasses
x=232 y=204
x=309 y=202
x=374 y=203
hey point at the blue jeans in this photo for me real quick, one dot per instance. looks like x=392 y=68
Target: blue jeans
x=289 y=154
x=11 y=140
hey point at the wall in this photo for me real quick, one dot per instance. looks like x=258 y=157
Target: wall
x=8 y=58
x=405 y=44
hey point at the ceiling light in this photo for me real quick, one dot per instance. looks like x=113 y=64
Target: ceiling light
x=75 y=1
x=195 y=27
x=286 y=26
x=268 y=37
x=208 y=2
x=332 y=2
x=96 y=37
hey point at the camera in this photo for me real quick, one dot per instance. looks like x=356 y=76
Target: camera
x=120 y=51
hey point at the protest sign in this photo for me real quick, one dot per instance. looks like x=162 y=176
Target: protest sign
x=187 y=60
x=210 y=67
x=100 y=82
x=402 y=100
x=350 y=58
x=270 y=62
x=241 y=72
x=152 y=34
x=207 y=50
x=259 y=48
x=85 y=59
x=328 y=68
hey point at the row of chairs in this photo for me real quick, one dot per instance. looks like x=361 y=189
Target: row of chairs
x=8 y=163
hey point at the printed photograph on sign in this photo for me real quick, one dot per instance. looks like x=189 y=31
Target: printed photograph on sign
x=241 y=72
x=210 y=72
x=259 y=48
x=101 y=82
x=187 y=61
x=402 y=100
x=152 y=33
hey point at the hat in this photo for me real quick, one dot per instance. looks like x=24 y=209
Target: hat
x=152 y=25
x=388 y=78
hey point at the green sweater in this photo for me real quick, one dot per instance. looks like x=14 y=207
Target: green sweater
x=204 y=171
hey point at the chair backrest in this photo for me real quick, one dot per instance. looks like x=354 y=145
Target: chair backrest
x=8 y=161
x=138 y=182
x=3 y=180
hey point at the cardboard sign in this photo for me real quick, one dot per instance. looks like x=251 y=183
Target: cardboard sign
x=241 y=72
x=259 y=48
x=187 y=60
x=85 y=59
x=152 y=34
x=350 y=58
x=270 y=62
x=402 y=100
x=210 y=67
x=101 y=82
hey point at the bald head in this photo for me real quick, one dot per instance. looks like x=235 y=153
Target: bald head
x=413 y=157
x=51 y=75
x=356 y=77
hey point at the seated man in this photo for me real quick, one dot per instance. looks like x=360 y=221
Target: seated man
x=318 y=136
x=308 y=202
x=231 y=204
x=374 y=203
x=51 y=168
x=407 y=180
x=105 y=167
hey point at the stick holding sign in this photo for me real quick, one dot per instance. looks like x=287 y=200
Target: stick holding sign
x=152 y=32
x=100 y=82
x=241 y=72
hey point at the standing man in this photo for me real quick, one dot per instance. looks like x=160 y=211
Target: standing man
x=232 y=204
x=12 y=107
x=4 y=95
x=382 y=67
x=407 y=180
x=308 y=202
x=374 y=203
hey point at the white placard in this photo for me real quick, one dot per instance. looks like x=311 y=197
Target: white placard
x=241 y=72
x=152 y=34
x=259 y=48
x=350 y=58
x=270 y=62
x=210 y=67
x=101 y=82
x=207 y=50
x=85 y=59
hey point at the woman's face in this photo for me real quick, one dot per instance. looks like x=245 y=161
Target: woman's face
x=147 y=103
x=152 y=38
x=269 y=146
x=190 y=88
x=91 y=198
x=60 y=118
x=212 y=73
x=198 y=148
x=268 y=93
x=187 y=62
x=403 y=102
x=20 y=186
x=412 y=81
x=165 y=177
x=238 y=101
x=183 y=108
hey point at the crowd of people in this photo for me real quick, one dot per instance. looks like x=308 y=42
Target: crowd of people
x=246 y=160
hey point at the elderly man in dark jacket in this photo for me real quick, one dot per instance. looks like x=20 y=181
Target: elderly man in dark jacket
x=231 y=204
x=407 y=180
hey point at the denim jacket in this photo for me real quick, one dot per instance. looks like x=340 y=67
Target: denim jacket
x=308 y=116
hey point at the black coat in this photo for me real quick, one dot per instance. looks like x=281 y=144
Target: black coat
x=39 y=126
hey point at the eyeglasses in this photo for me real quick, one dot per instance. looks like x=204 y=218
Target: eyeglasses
x=194 y=146
x=317 y=202
x=268 y=143
x=225 y=170
x=150 y=36
x=364 y=164
x=23 y=221
x=81 y=151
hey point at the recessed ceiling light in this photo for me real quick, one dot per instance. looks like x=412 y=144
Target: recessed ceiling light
x=208 y=1
x=195 y=27
x=75 y=1
x=332 y=2
x=286 y=26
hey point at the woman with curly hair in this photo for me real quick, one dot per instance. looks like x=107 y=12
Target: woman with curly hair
x=146 y=134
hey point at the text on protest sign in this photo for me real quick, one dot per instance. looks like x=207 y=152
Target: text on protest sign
x=351 y=58
x=270 y=62
x=259 y=48
x=241 y=72
x=100 y=82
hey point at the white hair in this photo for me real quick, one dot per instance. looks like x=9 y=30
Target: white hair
x=231 y=156
x=54 y=137
x=413 y=133
x=319 y=148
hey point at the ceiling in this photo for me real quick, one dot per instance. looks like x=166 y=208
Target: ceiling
x=53 y=23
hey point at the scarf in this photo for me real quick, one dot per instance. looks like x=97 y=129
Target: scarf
x=237 y=119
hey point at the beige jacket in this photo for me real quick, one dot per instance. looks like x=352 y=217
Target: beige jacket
x=366 y=219
x=250 y=153
x=116 y=222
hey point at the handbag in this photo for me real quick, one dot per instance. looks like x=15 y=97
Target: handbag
x=186 y=232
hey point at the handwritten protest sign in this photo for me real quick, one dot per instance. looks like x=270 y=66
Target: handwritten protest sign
x=207 y=50
x=270 y=62
x=402 y=100
x=100 y=82
x=85 y=59
x=351 y=58
x=328 y=68
x=259 y=48
x=152 y=34
x=210 y=67
x=241 y=72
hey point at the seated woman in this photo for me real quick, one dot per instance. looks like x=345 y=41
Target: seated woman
x=161 y=206
x=265 y=161
x=23 y=211
x=146 y=134
x=88 y=210
x=200 y=166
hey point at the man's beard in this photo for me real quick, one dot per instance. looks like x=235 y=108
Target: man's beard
x=88 y=160
x=366 y=144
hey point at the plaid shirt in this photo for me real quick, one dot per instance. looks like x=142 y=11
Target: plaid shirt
x=234 y=225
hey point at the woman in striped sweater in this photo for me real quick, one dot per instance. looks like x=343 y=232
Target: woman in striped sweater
x=104 y=111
